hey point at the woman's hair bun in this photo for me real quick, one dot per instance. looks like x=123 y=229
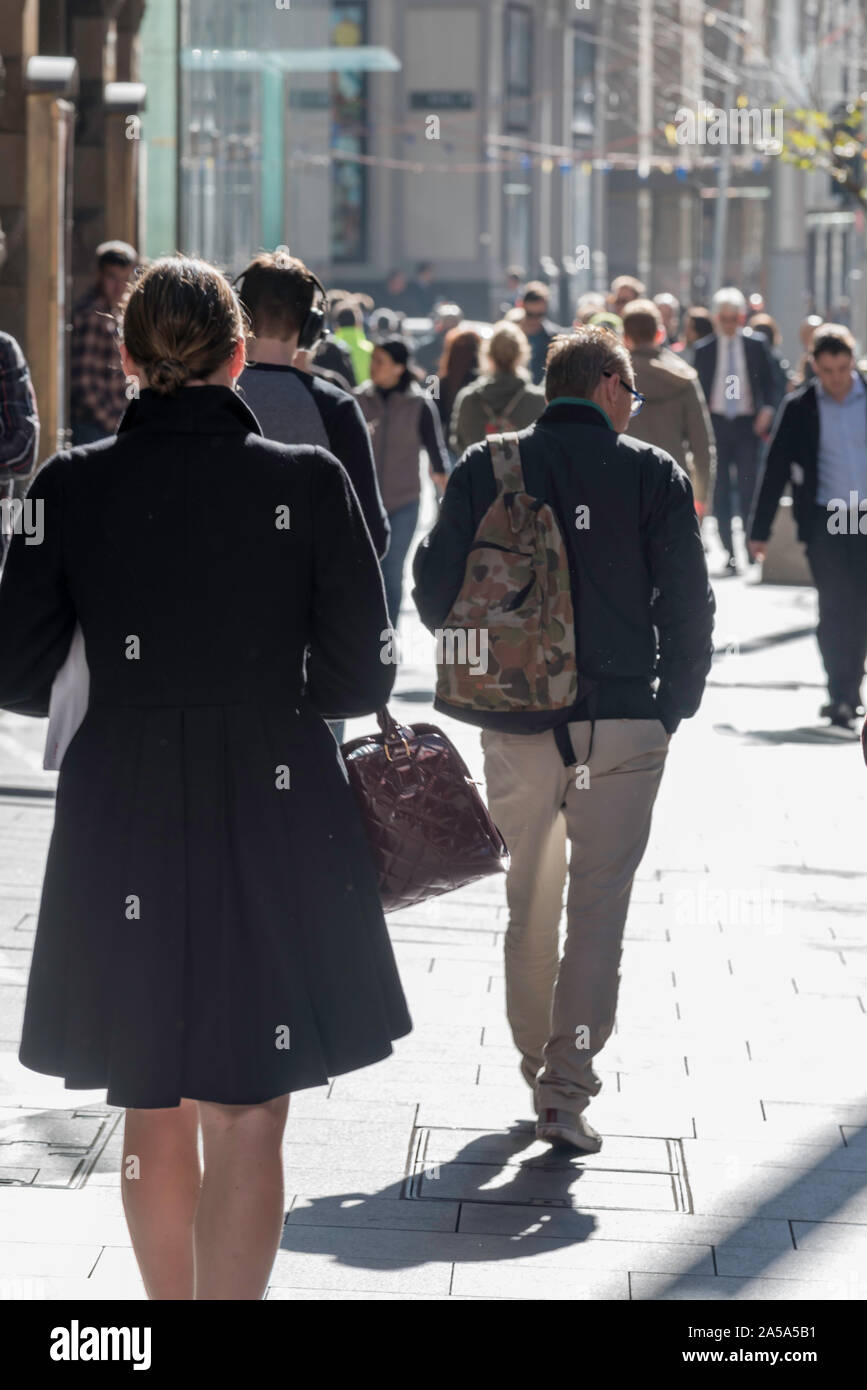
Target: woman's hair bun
x=168 y=375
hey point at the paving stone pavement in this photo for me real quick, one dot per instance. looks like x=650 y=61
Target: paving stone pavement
x=734 y=1105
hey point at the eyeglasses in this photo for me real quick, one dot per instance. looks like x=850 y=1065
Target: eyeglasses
x=637 y=398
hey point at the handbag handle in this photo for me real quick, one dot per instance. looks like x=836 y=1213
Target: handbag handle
x=393 y=733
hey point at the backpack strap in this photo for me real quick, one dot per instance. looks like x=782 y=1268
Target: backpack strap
x=506 y=463
x=518 y=396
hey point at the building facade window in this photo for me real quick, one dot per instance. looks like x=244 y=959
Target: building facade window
x=348 y=139
x=517 y=118
x=583 y=85
x=221 y=133
x=519 y=67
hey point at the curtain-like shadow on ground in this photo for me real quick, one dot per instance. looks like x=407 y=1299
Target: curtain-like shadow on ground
x=829 y=737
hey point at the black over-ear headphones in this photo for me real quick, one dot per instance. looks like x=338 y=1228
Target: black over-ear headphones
x=313 y=327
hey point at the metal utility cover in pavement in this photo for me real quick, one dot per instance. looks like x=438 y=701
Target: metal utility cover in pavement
x=513 y=1168
x=52 y=1148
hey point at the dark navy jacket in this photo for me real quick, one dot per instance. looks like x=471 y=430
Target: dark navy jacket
x=643 y=605
x=791 y=457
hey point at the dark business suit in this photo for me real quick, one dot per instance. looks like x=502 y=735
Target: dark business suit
x=737 y=444
x=838 y=561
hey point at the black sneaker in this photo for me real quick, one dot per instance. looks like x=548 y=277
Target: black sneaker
x=841 y=714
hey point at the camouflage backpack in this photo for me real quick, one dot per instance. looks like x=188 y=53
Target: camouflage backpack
x=514 y=608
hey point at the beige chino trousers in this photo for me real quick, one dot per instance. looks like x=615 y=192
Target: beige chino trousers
x=561 y=1009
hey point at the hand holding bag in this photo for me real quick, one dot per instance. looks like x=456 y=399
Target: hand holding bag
x=428 y=828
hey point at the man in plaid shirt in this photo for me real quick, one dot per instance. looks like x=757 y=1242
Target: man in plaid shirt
x=19 y=423
x=97 y=382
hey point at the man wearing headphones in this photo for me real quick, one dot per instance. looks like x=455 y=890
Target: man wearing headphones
x=287 y=308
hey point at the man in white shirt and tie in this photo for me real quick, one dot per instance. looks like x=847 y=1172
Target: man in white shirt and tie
x=735 y=373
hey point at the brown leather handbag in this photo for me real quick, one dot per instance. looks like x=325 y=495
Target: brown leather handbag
x=428 y=828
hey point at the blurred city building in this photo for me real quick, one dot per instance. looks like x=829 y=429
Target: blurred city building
x=70 y=170
x=369 y=135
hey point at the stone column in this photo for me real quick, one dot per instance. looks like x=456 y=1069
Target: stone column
x=93 y=40
x=19 y=41
x=124 y=101
x=129 y=20
x=51 y=86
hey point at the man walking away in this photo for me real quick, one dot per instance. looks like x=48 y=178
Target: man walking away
x=735 y=374
x=19 y=425
x=349 y=333
x=296 y=407
x=97 y=385
x=589 y=773
x=674 y=416
x=819 y=444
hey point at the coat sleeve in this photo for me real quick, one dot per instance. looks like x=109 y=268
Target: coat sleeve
x=346 y=675
x=19 y=420
x=441 y=559
x=700 y=438
x=764 y=374
x=37 y=615
x=431 y=436
x=683 y=606
x=349 y=440
x=775 y=471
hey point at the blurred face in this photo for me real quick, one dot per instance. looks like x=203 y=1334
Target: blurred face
x=534 y=312
x=620 y=300
x=669 y=318
x=384 y=371
x=397 y=283
x=114 y=281
x=728 y=320
x=834 y=370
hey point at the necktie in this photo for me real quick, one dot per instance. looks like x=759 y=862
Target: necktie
x=732 y=403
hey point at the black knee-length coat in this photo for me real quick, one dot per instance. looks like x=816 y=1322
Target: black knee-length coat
x=210 y=924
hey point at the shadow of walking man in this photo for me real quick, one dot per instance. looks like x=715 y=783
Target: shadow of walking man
x=500 y=1196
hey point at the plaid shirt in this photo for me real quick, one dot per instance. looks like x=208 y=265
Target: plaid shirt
x=19 y=421
x=96 y=380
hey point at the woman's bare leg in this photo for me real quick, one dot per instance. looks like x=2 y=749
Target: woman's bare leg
x=240 y=1213
x=160 y=1182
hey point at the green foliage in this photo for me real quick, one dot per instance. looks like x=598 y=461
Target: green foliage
x=830 y=142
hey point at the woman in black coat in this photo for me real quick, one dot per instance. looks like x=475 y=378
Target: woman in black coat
x=210 y=936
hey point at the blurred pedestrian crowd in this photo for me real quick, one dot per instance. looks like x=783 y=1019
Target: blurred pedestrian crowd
x=430 y=382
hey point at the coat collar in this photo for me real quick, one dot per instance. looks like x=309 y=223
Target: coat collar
x=194 y=410
x=575 y=410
